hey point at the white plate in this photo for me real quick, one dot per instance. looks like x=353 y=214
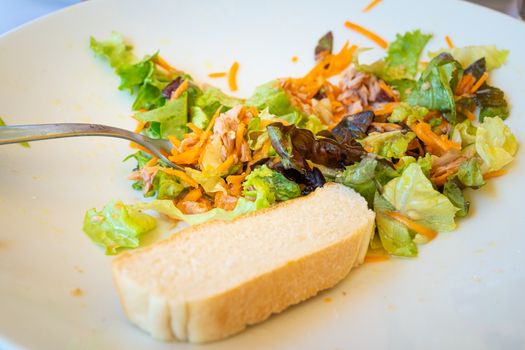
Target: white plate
x=464 y=291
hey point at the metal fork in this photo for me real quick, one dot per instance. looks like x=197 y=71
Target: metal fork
x=36 y=132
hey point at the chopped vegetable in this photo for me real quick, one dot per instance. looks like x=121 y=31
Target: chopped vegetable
x=395 y=236
x=324 y=46
x=272 y=97
x=436 y=85
x=371 y=5
x=172 y=117
x=402 y=57
x=232 y=76
x=391 y=144
x=370 y=35
x=266 y=186
x=413 y=195
x=449 y=42
x=469 y=54
x=169 y=209
x=495 y=144
x=361 y=177
x=117 y=226
x=409 y=136
x=455 y=195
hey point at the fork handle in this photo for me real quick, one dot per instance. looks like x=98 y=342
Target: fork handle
x=35 y=132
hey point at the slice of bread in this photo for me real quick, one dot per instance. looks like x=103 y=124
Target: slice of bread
x=212 y=280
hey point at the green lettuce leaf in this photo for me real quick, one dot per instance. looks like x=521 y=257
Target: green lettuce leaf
x=495 y=144
x=403 y=55
x=172 y=117
x=115 y=50
x=361 y=177
x=452 y=191
x=414 y=196
x=390 y=144
x=141 y=157
x=404 y=87
x=273 y=97
x=405 y=112
x=424 y=162
x=464 y=133
x=117 y=226
x=385 y=173
x=313 y=123
x=256 y=134
x=266 y=186
x=199 y=117
x=167 y=207
x=207 y=103
x=140 y=77
x=436 y=85
x=167 y=186
x=395 y=237
x=402 y=58
x=470 y=174
x=210 y=181
x=469 y=54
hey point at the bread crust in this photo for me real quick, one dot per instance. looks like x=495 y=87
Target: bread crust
x=231 y=311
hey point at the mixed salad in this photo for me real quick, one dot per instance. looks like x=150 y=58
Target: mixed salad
x=409 y=135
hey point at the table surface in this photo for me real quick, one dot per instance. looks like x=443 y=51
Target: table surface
x=14 y=13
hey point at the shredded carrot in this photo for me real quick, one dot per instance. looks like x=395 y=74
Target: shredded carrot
x=140 y=127
x=436 y=144
x=217 y=75
x=153 y=161
x=468 y=114
x=376 y=258
x=164 y=64
x=295 y=59
x=182 y=87
x=387 y=108
x=329 y=66
x=370 y=35
x=464 y=84
x=425 y=231
x=193 y=195
x=232 y=76
x=174 y=141
x=198 y=131
x=239 y=138
x=449 y=42
x=212 y=121
x=226 y=164
x=495 y=173
x=480 y=82
x=188 y=157
x=180 y=174
x=371 y=5
x=253 y=110
x=139 y=147
x=387 y=89
x=234 y=179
